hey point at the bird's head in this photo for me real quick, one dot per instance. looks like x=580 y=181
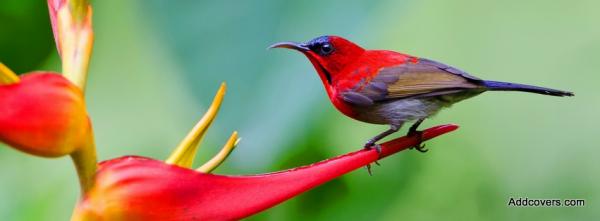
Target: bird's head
x=329 y=54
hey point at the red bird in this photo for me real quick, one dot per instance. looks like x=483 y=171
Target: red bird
x=387 y=87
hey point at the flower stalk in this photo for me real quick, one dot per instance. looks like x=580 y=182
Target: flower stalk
x=72 y=27
x=85 y=162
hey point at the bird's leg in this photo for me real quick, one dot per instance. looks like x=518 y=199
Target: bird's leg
x=412 y=131
x=371 y=142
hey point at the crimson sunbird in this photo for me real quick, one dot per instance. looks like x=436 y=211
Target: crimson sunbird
x=387 y=87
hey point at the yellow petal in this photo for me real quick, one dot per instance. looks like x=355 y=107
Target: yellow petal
x=222 y=155
x=7 y=76
x=185 y=152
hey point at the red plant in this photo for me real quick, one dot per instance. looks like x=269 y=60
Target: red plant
x=137 y=188
x=44 y=114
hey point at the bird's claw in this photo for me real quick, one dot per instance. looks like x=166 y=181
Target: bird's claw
x=369 y=168
x=420 y=146
x=371 y=145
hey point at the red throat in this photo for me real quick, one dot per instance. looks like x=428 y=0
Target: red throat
x=331 y=68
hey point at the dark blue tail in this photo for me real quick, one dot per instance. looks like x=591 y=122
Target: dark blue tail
x=505 y=86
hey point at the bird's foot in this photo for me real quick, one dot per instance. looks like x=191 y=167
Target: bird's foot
x=420 y=146
x=371 y=145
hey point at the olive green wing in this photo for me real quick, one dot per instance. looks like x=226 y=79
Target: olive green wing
x=421 y=79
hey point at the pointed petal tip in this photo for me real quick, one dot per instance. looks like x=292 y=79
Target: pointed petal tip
x=7 y=76
x=439 y=130
x=220 y=93
x=445 y=127
x=222 y=87
x=220 y=157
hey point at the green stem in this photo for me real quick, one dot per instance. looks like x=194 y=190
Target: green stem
x=86 y=164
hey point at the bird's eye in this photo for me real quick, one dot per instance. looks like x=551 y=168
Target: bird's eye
x=325 y=49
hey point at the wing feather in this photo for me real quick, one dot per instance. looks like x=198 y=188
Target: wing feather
x=424 y=78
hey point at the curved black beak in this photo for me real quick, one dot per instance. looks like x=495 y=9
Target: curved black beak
x=290 y=45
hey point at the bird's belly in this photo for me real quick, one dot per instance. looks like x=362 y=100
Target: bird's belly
x=399 y=111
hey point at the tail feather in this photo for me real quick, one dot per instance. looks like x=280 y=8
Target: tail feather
x=505 y=86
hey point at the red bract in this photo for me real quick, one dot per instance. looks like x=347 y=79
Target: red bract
x=137 y=188
x=43 y=114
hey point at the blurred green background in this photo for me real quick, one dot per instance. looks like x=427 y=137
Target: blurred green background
x=156 y=65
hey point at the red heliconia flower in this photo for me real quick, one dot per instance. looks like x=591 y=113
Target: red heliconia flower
x=137 y=188
x=43 y=114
